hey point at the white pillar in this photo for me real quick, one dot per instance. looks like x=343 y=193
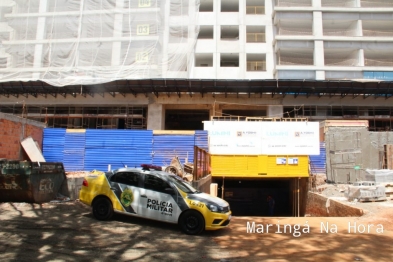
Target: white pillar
x=317 y=25
x=40 y=33
x=361 y=57
x=319 y=57
x=316 y=3
x=117 y=32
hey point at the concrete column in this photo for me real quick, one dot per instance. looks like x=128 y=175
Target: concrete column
x=242 y=39
x=316 y=3
x=156 y=117
x=40 y=33
x=216 y=36
x=117 y=32
x=275 y=111
x=192 y=35
x=320 y=75
x=319 y=59
x=317 y=25
x=165 y=41
x=269 y=6
x=361 y=57
x=359 y=28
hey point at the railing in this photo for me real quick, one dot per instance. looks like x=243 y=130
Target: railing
x=255 y=10
x=256 y=66
x=255 y=37
x=257 y=119
x=275 y=119
x=228 y=118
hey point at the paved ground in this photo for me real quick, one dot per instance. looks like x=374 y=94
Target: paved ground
x=68 y=232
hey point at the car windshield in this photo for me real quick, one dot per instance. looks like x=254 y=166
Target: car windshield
x=183 y=186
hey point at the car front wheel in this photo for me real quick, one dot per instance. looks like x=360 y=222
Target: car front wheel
x=192 y=222
x=102 y=208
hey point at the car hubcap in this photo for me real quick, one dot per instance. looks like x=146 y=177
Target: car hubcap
x=102 y=209
x=192 y=222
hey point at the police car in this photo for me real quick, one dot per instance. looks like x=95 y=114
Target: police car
x=151 y=193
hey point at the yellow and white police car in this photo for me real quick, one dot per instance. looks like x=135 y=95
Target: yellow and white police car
x=151 y=193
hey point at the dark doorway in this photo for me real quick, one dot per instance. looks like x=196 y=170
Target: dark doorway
x=248 y=197
x=185 y=119
x=245 y=113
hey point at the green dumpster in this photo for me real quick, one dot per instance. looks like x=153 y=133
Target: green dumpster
x=31 y=182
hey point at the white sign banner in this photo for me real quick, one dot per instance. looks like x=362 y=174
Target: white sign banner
x=263 y=138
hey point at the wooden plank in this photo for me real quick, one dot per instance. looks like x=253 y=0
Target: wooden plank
x=32 y=150
x=389 y=156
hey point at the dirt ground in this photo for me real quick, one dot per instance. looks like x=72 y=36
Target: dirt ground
x=67 y=231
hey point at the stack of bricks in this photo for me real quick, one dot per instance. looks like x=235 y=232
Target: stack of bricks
x=13 y=130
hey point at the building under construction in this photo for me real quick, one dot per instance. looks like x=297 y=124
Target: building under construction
x=170 y=64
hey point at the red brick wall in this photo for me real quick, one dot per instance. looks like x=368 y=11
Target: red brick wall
x=12 y=132
x=316 y=207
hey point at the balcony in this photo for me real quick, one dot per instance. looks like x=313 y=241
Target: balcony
x=342 y=57
x=378 y=58
x=339 y=28
x=338 y=3
x=376 y=3
x=295 y=57
x=377 y=28
x=293 y=27
x=293 y=3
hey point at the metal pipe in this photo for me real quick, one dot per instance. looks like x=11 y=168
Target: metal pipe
x=298 y=200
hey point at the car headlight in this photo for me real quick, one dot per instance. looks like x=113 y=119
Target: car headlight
x=215 y=208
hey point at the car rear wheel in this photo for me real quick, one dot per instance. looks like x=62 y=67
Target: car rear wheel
x=192 y=222
x=102 y=208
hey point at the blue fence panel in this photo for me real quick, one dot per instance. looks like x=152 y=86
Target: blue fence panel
x=53 y=144
x=201 y=139
x=380 y=75
x=117 y=148
x=74 y=150
x=165 y=147
x=318 y=163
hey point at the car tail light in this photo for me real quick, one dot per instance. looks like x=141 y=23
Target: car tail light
x=85 y=183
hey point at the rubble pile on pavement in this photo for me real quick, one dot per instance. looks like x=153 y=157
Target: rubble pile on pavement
x=83 y=173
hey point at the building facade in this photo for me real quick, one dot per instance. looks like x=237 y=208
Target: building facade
x=152 y=64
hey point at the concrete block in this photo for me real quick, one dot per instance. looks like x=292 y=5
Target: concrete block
x=71 y=187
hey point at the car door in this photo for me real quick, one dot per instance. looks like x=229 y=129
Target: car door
x=126 y=186
x=158 y=199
